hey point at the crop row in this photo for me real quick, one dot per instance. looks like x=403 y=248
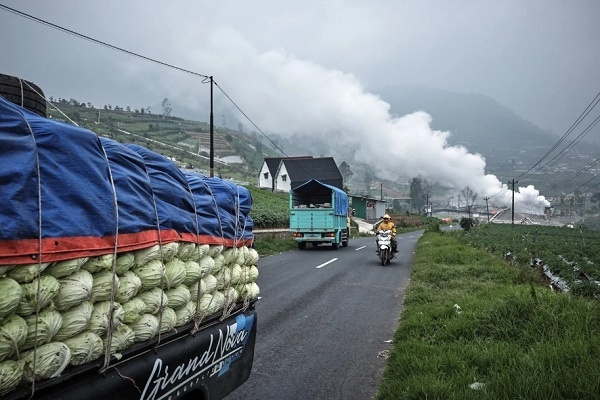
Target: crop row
x=571 y=254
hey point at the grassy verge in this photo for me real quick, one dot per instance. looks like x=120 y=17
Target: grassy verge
x=269 y=244
x=475 y=328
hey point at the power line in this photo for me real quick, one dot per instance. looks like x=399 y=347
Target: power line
x=110 y=46
x=588 y=109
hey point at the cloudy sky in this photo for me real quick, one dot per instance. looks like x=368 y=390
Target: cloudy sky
x=311 y=66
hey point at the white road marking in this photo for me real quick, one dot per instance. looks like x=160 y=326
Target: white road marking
x=360 y=248
x=328 y=262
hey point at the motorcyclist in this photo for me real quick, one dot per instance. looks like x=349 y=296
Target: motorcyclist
x=385 y=225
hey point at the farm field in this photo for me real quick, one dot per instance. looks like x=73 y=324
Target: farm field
x=569 y=257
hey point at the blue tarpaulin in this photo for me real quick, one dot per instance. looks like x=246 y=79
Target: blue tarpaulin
x=67 y=193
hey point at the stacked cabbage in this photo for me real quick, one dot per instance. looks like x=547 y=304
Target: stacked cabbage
x=72 y=312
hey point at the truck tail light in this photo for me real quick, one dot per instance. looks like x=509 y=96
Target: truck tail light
x=296 y=234
x=329 y=234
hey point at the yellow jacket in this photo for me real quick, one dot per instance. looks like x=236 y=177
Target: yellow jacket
x=389 y=225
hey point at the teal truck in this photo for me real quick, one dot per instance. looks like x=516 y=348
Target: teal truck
x=319 y=214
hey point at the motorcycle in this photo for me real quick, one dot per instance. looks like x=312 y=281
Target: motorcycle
x=384 y=246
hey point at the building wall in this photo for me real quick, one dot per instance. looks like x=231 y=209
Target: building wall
x=262 y=181
x=283 y=183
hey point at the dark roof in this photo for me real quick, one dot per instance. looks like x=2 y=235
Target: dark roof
x=324 y=169
x=273 y=162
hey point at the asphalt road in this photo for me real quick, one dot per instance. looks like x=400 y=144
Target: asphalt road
x=325 y=320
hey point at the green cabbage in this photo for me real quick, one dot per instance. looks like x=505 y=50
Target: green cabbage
x=223 y=279
x=74 y=290
x=144 y=256
x=200 y=252
x=229 y=254
x=155 y=300
x=11 y=373
x=13 y=333
x=99 y=321
x=133 y=310
x=235 y=273
x=252 y=258
x=48 y=286
x=214 y=250
x=175 y=273
x=193 y=273
x=218 y=302
x=219 y=264
x=242 y=253
x=105 y=282
x=152 y=274
x=122 y=337
x=207 y=264
x=197 y=289
x=231 y=296
x=42 y=328
x=100 y=263
x=124 y=262
x=145 y=328
x=169 y=251
x=249 y=274
x=205 y=305
x=10 y=296
x=61 y=269
x=129 y=285
x=75 y=321
x=211 y=283
x=185 y=314
x=168 y=318
x=248 y=291
x=50 y=361
x=5 y=268
x=178 y=297
x=85 y=347
x=186 y=251
x=27 y=272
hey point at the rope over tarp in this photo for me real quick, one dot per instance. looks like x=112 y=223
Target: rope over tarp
x=155 y=199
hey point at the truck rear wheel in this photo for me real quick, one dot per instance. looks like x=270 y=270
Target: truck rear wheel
x=301 y=245
x=335 y=246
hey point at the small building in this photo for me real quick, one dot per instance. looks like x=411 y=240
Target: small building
x=292 y=172
x=268 y=172
x=367 y=208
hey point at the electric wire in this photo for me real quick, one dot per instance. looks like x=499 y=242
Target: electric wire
x=588 y=109
x=110 y=46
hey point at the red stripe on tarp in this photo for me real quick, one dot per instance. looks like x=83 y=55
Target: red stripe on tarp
x=25 y=251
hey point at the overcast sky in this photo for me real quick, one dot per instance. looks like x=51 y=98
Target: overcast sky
x=286 y=63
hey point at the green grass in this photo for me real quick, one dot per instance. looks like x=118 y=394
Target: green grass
x=268 y=244
x=469 y=317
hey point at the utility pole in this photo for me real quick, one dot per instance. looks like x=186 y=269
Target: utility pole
x=513 y=202
x=427 y=204
x=487 y=208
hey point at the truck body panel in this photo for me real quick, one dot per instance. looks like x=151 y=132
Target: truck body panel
x=319 y=214
x=214 y=361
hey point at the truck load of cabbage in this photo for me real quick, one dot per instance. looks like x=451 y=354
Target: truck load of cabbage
x=105 y=245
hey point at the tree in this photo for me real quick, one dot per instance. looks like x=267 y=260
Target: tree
x=166 y=108
x=419 y=190
x=470 y=196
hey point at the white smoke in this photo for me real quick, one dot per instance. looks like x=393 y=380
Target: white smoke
x=306 y=101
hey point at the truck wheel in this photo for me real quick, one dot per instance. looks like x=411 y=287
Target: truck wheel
x=301 y=245
x=23 y=93
x=335 y=246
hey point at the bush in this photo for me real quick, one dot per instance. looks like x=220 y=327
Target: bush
x=468 y=223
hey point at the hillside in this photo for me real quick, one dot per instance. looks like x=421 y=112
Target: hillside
x=237 y=155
